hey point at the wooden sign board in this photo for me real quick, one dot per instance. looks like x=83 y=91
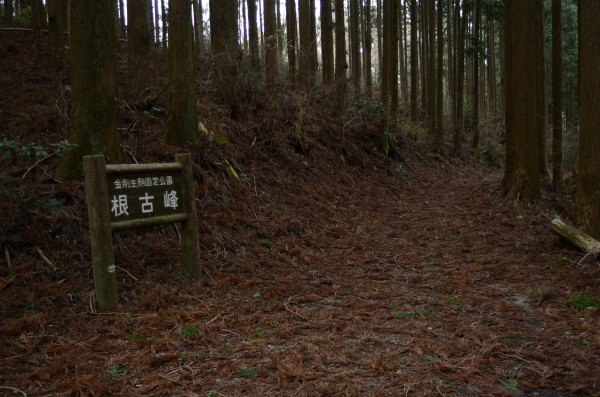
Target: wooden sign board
x=129 y=196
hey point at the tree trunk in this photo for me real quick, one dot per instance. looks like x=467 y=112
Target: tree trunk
x=270 y=45
x=541 y=96
x=340 y=58
x=393 y=67
x=379 y=42
x=150 y=20
x=123 y=32
x=459 y=119
x=180 y=125
x=476 y=51
x=292 y=43
x=164 y=26
x=440 y=82
x=557 y=106
x=253 y=34
x=9 y=11
x=279 y=33
x=56 y=39
x=383 y=141
x=327 y=42
x=305 y=44
x=579 y=239
x=35 y=18
x=196 y=4
x=521 y=175
x=156 y=22
x=354 y=47
x=313 y=54
x=92 y=121
x=414 y=73
x=138 y=47
x=587 y=201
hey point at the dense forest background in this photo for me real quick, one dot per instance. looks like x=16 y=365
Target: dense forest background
x=374 y=184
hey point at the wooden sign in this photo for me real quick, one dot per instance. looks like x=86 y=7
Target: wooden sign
x=130 y=196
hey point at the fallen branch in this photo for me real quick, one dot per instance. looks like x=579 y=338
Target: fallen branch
x=45 y=258
x=7 y=257
x=585 y=243
x=13 y=389
x=36 y=163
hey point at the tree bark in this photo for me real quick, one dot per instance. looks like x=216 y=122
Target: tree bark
x=557 y=99
x=440 y=82
x=56 y=39
x=327 y=41
x=123 y=32
x=224 y=43
x=340 y=58
x=92 y=121
x=587 y=201
x=180 y=125
x=368 y=49
x=459 y=119
x=579 y=239
x=354 y=47
x=521 y=176
x=414 y=73
x=393 y=66
x=164 y=26
x=270 y=45
x=292 y=40
x=253 y=34
x=476 y=51
x=383 y=139
x=138 y=47
x=305 y=44
x=150 y=20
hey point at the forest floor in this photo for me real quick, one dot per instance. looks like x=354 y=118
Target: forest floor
x=339 y=272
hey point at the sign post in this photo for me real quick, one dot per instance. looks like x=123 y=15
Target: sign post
x=130 y=196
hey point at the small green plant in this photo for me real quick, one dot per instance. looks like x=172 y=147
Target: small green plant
x=449 y=382
x=137 y=336
x=313 y=270
x=10 y=147
x=266 y=243
x=63 y=146
x=246 y=372
x=190 y=353
x=510 y=384
x=220 y=138
x=412 y=314
x=580 y=302
x=561 y=257
x=327 y=250
x=116 y=370
x=452 y=299
x=256 y=295
x=585 y=342
x=535 y=293
x=189 y=330
x=50 y=204
x=429 y=358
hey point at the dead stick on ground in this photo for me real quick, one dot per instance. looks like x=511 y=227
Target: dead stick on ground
x=45 y=258
x=36 y=163
x=286 y=308
x=14 y=389
x=7 y=257
x=169 y=379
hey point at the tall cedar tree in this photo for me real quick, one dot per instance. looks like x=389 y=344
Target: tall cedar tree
x=35 y=17
x=150 y=20
x=253 y=34
x=354 y=46
x=305 y=44
x=440 y=81
x=92 y=121
x=393 y=59
x=383 y=141
x=476 y=51
x=587 y=201
x=198 y=27
x=224 y=43
x=541 y=96
x=327 y=40
x=557 y=100
x=431 y=66
x=122 y=27
x=180 y=125
x=156 y=22
x=414 y=61
x=314 y=54
x=368 y=44
x=165 y=27
x=292 y=40
x=138 y=46
x=340 y=58
x=56 y=41
x=521 y=175
x=459 y=117
x=270 y=44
